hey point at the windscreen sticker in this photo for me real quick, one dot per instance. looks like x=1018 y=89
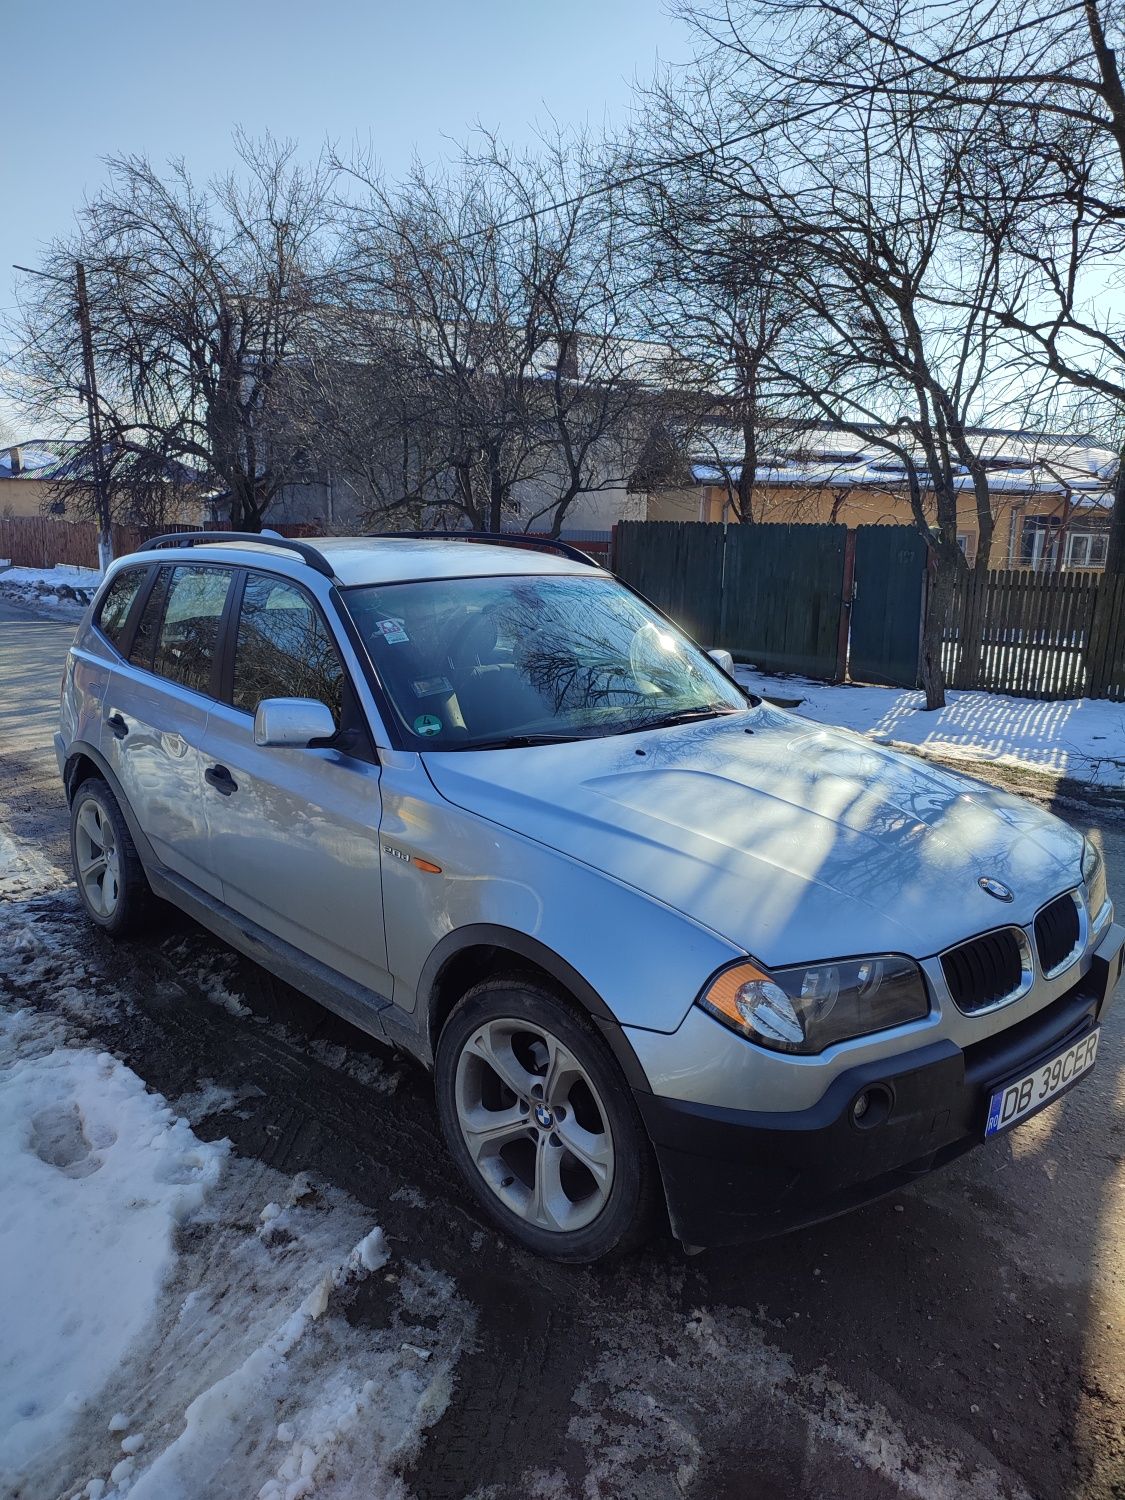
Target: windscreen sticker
x=425 y=687
x=392 y=631
x=427 y=724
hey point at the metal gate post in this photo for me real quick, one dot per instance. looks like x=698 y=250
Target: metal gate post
x=847 y=594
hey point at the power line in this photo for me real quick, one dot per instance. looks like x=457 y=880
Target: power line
x=604 y=188
x=41 y=334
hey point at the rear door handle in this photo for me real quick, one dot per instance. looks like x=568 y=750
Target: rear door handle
x=118 y=725
x=221 y=779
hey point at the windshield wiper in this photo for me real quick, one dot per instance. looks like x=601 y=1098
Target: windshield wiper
x=684 y=716
x=517 y=742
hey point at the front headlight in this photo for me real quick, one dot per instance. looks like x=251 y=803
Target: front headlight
x=808 y=1008
x=1093 y=878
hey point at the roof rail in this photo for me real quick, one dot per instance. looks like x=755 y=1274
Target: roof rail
x=309 y=554
x=498 y=539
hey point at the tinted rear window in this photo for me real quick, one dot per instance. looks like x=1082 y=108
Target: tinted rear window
x=118 y=601
x=189 y=632
x=140 y=653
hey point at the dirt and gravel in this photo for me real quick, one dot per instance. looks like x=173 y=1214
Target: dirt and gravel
x=965 y=1337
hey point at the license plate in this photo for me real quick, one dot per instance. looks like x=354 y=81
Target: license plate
x=1010 y=1105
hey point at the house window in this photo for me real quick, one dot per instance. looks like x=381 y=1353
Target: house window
x=1087 y=549
x=1083 y=547
x=1038 y=541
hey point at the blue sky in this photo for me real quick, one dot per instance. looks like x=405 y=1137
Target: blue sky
x=86 y=81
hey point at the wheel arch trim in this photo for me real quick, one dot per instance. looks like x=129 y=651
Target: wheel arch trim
x=521 y=945
x=83 y=749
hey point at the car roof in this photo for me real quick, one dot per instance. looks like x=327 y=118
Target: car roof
x=385 y=559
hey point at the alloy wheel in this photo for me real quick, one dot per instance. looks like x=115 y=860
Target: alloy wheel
x=99 y=869
x=534 y=1124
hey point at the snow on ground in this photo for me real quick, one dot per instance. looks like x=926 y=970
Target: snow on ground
x=96 y=1174
x=62 y=589
x=628 y=1416
x=1082 y=738
x=174 y=1319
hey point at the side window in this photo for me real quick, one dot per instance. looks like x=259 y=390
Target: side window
x=189 y=632
x=144 y=641
x=118 y=601
x=283 y=649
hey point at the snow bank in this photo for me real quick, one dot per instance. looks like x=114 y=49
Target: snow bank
x=177 y=1321
x=96 y=1173
x=63 y=590
x=1082 y=738
x=87 y=578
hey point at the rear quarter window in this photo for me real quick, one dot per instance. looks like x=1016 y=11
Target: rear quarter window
x=113 y=612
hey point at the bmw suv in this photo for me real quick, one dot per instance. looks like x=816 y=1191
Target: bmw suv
x=665 y=948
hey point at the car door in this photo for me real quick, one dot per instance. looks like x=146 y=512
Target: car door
x=295 y=832
x=155 y=712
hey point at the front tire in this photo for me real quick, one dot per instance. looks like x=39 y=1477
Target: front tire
x=541 y=1124
x=108 y=871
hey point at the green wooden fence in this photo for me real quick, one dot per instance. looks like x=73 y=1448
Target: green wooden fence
x=781 y=597
x=679 y=566
x=775 y=596
x=770 y=594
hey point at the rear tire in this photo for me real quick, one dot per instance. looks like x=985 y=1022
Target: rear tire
x=542 y=1125
x=107 y=869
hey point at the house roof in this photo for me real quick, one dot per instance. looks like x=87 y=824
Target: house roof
x=1016 y=462
x=54 y=460
x=40 y=458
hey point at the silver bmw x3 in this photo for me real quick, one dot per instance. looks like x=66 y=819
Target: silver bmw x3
x=662 y=945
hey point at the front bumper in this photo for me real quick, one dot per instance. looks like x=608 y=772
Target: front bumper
x=60 y=753
x=735 y=1175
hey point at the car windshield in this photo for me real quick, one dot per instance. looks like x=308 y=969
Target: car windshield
x=474 y=663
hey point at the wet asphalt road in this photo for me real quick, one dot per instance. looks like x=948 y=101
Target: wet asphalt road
x=965 y=1337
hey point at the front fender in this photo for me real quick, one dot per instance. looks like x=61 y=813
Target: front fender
x=609 y=943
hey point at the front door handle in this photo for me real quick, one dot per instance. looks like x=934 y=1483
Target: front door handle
x=118 y=726
x=221 y=779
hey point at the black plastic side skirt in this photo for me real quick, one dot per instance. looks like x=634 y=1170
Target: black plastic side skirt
x=354 y=1002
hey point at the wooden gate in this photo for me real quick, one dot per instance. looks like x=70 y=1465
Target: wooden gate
x=679 y=566
x=771 y=594
x=887 y=597
x=782 y=595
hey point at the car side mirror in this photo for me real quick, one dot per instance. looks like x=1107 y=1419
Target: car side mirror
x=295 y=722
x=723 y=659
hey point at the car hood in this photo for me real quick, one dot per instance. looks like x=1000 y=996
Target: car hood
x=790 y=840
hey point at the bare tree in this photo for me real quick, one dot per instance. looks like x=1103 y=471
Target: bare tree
x=200 y=298
x=1047 y=84
x=861 y=193
x=490 y=305
x=713 y=283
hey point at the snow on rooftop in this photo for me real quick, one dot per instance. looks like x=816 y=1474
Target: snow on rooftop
x=30 y=459
x=1012 y=474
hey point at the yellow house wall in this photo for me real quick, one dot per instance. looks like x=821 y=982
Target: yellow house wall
x=34 y=497
x=24 y=497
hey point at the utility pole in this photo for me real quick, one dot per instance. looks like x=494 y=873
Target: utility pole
x=88 y=392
